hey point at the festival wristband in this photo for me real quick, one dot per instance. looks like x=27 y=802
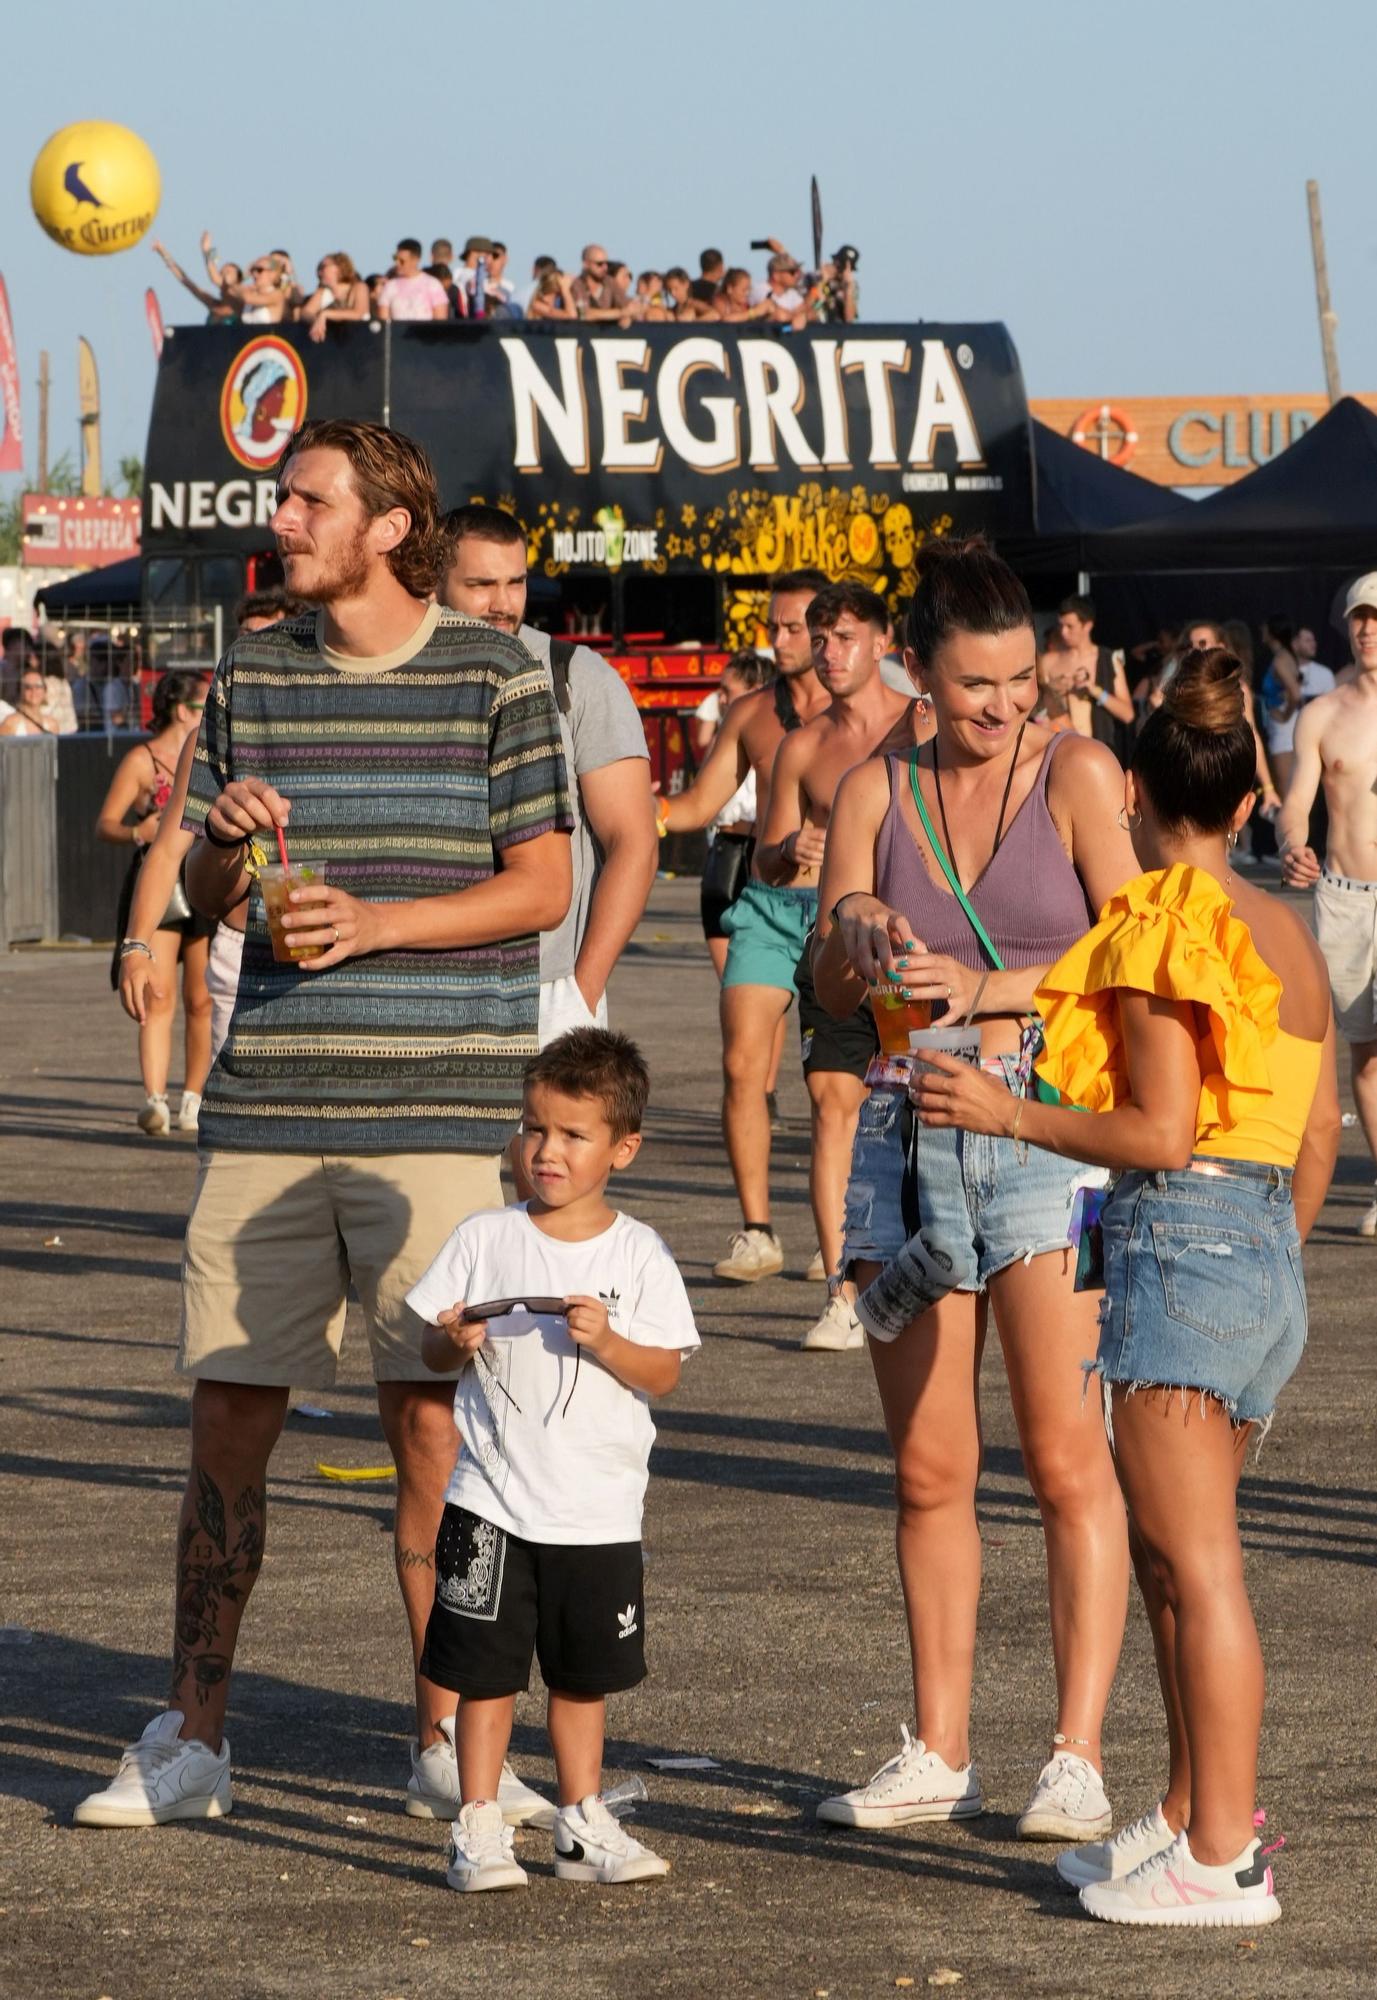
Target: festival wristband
x=832 y=913
x=216 y=840
x=131 y=945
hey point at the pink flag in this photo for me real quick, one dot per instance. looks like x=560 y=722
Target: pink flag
x=155 y=320
x=11 y=419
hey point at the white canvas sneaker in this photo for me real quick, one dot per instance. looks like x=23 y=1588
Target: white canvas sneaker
x=593 y=1846
x=1068 y=1802
x=155 y=1118
x=916 y=1784
x=751 y=1254
x=837 y=1331
x=1174 y=1888
x=161 y=1778
x=189 y=1111
x=1107 y=1860
x=816 y=1274
x=480 y=1850
x=432 y=1791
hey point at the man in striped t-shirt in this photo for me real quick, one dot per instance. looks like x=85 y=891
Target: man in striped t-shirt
x=362 y=1097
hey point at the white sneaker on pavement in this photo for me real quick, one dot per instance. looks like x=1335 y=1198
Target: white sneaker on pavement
x=189 y=1112
x=1068 y=1802
x=591 y=1845
x=480 y=1850
x=837 y=1331
x=160 y=1778
x=1367 y=1221
x=916 y=1784
x=155 y=1118
x=816 y=1274
x=1172 y=1887
x=751 y=1254
x=1107 y=1860
x=432 y=1790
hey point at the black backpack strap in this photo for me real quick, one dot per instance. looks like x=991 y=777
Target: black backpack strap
x=561 y=658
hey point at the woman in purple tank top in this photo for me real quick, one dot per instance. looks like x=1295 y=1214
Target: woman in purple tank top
x=940 y=1225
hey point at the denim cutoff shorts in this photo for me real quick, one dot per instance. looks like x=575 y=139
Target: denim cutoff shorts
x=1203 y=1286
x=944 y=1210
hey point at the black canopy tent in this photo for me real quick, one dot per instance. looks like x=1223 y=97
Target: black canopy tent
x=116 y=587
x=1284 y=539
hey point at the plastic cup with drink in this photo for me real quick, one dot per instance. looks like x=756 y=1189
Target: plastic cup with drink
x=276 y=880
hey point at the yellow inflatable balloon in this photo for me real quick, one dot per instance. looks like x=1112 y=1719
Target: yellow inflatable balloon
x=95 y=188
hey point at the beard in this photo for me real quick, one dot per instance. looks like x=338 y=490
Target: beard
x=327 y=579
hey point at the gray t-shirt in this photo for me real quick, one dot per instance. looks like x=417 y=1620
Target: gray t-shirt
x=603 y=726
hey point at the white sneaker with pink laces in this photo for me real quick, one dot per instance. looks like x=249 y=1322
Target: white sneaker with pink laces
x=1173 y=1888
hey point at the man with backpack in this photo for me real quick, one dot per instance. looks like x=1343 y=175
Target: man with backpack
x=615 y=848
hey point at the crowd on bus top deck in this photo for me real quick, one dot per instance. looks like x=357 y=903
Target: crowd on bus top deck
x=478 y=283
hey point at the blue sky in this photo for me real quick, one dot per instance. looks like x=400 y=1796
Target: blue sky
x=1123 y=186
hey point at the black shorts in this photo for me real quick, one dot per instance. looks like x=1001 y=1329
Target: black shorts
x=498 y=1600
x=726 y=872
x=846 y=1046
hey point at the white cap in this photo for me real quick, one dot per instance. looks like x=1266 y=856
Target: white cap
x=1362 y=594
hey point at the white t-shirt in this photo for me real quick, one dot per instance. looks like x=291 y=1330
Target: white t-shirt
x=545 y=1456
x=741 y=806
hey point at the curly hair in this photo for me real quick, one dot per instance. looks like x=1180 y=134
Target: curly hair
x=390 y=470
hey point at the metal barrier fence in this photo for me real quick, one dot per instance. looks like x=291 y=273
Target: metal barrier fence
x=28 y=839
x=56 y=878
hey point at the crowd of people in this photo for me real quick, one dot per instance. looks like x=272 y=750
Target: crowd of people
x=1063 y=1061
x=476 y=283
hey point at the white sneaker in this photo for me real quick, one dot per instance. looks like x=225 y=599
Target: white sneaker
x=837 y=1331
x=751 y=1254
x=161 y=1777
x=189 y=1113
x=480 y=1850
x=1107 y=1860
x=432 y=1791
x=1367 y=1222
x=916 y=1784
x=1068 y=1802
x=1172 y=1887
x=816 y=1274
x=592 y=1846
x=155 y=1118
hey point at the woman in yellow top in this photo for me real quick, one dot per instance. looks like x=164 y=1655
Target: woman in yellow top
x=1195 y=1021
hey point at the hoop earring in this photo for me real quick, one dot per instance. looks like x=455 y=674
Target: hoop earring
x=1233 y=840
x=1128 y=822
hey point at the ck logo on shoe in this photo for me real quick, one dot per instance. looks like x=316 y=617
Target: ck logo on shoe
x=626 y=1621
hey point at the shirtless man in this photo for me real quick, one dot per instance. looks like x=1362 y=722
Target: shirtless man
x=1096 y=683
x=848 y=625
x=766 y=925
x=1336 y=745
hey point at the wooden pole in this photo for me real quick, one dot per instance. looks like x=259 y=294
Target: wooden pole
x=43 y=387
x=1328 y=317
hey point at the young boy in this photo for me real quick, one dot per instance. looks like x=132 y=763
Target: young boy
x=540 y=1545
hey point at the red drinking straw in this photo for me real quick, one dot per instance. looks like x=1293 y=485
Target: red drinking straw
x=282 y=850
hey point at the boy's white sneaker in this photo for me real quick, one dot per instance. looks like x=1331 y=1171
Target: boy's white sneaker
x=592 y=1846
x=751 y=1254
x=432 y=1791
x=1107 y=1860
x=1173 y=1888
x=480 y=1850
x=1068 y=1802
x=917 y=1784
x=160 y=1778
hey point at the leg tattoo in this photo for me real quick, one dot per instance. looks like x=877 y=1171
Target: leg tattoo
x=214 y=1577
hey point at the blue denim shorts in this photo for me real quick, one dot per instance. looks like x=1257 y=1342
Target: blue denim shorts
x=1203 y=1285
x=944 y=1210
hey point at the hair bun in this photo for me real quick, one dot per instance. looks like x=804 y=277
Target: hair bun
x=1206 y=691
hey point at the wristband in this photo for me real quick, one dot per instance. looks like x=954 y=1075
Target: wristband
x=832 y=913
x=216 y=841
x=131 y=945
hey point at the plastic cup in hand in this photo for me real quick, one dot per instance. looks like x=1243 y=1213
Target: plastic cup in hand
x=277 y=883
x=897 y=1016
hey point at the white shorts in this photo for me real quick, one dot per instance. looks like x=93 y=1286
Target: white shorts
x=222 y=982
x=562 y=1006
x=1346 y=930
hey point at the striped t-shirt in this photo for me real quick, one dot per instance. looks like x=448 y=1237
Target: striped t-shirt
x=407 y=776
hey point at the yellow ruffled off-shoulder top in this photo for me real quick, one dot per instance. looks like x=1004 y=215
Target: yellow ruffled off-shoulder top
x=1173 y=933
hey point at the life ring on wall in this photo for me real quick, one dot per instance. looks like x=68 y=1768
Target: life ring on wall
x=1103 y=425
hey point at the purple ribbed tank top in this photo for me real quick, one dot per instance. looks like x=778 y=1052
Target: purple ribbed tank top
x=1029 y=898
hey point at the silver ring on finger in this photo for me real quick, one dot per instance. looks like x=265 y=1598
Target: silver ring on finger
x=335 y=929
